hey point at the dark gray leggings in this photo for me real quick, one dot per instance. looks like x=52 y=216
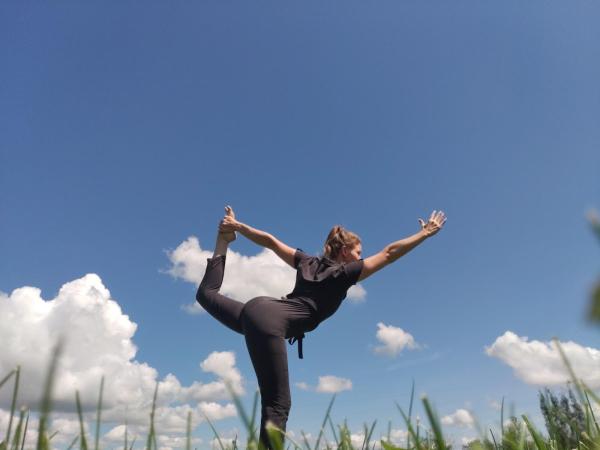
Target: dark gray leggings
x=265 y=322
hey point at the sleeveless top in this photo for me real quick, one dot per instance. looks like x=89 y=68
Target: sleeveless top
x=322 y=284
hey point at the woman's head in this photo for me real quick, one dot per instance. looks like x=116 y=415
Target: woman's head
x=342 y=245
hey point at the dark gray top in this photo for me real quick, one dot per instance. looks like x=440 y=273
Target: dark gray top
x=322 y=284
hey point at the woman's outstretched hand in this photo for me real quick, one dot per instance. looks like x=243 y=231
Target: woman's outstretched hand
x=228 y=224
x=435 y=223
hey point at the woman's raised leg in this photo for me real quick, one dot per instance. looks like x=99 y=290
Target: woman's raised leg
x=224 y=309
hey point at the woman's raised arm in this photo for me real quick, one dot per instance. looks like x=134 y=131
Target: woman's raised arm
x=399 y=248
x=267 y=240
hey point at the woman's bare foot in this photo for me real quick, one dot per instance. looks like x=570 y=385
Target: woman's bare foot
x=224 y=237
x=229 y=235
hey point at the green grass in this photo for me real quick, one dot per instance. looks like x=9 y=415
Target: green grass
x=520 y=434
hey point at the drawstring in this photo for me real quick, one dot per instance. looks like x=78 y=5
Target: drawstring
x=299 y=339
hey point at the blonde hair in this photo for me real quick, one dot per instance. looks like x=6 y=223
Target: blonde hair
x=339 y=237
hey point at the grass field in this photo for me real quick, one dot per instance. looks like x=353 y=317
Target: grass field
x=516 y=433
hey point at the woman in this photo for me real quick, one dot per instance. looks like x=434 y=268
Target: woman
x=321 y=285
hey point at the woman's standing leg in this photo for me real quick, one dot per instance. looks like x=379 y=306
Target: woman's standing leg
x=224 y=309
x=269 y=358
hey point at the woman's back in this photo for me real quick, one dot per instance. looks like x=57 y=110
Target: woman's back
x=323 y=283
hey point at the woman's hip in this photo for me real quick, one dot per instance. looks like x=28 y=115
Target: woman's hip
x=268 y=315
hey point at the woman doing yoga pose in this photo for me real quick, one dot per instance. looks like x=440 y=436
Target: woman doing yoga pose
x=321 y=285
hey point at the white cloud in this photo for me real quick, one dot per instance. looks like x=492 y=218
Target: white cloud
x=32 y=427
x=245 y=277
x=459 y=418
x=222 y=364
x=357 y=294
x=226 y=442
x=330 y=383
x=227 y=437
x=117 y=434
x=192 y=308
x=394 y=340
x=357 y=440
x=539 y=363
x=176 y=441
x=398 y=436
x=99 y=341
x=495 y=405
x=466 y=440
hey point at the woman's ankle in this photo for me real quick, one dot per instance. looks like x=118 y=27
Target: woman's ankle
x=221 y=246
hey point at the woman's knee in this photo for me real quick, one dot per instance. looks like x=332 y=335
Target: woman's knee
x=204 y=295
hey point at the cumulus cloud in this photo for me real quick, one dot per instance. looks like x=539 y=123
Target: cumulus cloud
x=245 y=276
x=116 y=436
x=330 y=384
x=327 y=384
x=495 y=405
x=398 y=437
x=466 y=440
x=99 y=341
x=459 y=418
x=32 y=427
x=227 y=439
x=539 y=363
x=394 y=340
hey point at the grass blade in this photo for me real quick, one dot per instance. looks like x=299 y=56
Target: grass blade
x=125 y=437
x=254 y=409
x=13 y=404
x=7 y=377
x=494 y=439
x=502 y=419
x=389 y=435
x=25 y=432
x=368 y=435
x=324 y=421
x=82 y=441
x=537 y=438
x=274 y=433
x=73 y=443
x=411 y=430
x=238 y=404
x=410 y=405
x=306 y=443
x=46 y=404
x=17 y=437
x=214 y=431
x=433 y=420
x=594 y=421
x=337 y=442
x=98 y=412
x=150 y=441
x=188 y=440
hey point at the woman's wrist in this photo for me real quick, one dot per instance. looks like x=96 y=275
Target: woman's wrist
x=424 y=233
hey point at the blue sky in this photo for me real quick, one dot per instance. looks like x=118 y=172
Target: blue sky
x=126 y=127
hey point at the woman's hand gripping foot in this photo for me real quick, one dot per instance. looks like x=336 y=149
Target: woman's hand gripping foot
x=227 y=225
